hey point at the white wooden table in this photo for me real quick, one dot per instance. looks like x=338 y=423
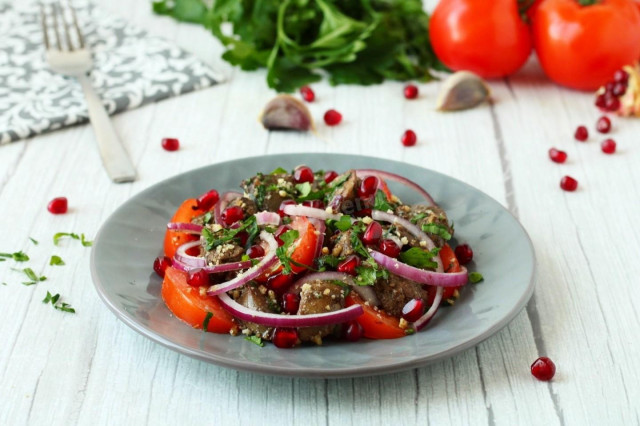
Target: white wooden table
x=58 y=368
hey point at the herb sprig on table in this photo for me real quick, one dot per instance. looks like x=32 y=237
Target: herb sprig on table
x=354 y=42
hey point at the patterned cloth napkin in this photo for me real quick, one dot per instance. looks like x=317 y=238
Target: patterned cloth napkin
x=131 y=69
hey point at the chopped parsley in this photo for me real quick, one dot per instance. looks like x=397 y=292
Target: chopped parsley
x=260 y=193
x=56 y=260
x=18 y=256
x=279 y=171
x=34 y=241
x=418 y=217
x=343 y=224
x=227 y=234
x=282 y=252
x=437 y=229
x=327 y=260
x=304 y=189
x=419 y=258
x=255 y=339
x=475 y=277
x=369 y=272
x=381 y=203
x=205 y=323
x=206 y=218
x=57 y=237
x=2 y=259
x=53 y=299
x=339 y=181
x=33 y=277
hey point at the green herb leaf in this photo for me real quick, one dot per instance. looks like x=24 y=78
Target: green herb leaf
x=35 y=242
x=3 y=283
x=255 y=339
x=65 y=307
x=420 y=258
x=33 y=277
x=369 y=272
x=58 y=236
x=205 y=323
x=282 y=252
x=381 y=203
x=437 y=229
x=304 y=189
x=53 y=299
x=228 y=234
x=3 y=260
x=18 y=256
x=418 y=217
x=207 y=218
x=279 y=171
x=328 y=261
x=475 y=277
x=56 y=260
x=47 y=299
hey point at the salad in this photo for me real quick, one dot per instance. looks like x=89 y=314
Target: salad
x=306 y=256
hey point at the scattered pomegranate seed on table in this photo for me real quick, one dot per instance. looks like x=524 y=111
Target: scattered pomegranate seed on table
x=409 y=138
x=603 y=125
x=197 y=278
x=307 y=93
x=353 y=331
x=543 y=369
x=568 y=183
x=464 y=254
x=557 y=156
x=608 y=146
x=581 y=134
x=410 y=91
x=161 y=264
x=332 y=117
x=285 y=338
x=303 y=174
x=58 y=205
x=170 y=144
x=413 y=310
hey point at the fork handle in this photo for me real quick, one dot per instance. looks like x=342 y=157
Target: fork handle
x=114 y=156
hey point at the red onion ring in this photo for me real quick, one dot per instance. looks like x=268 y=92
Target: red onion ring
x=362 y=173
x=413 y=229
x=424 y=320
x=365 y=291
x=267 y=218
x=185 y=227
x=225 y=199
x=254 y=272
x=422 y=276
x=277 y=320
x=182 y=257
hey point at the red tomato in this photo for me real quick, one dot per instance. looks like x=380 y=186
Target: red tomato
x=173 y=239
x=190 y=306
x=488 y=38
x=582 y=46
x=376 y=324
x=450 y=264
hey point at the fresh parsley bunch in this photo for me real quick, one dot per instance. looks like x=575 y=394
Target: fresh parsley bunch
x=352 y=41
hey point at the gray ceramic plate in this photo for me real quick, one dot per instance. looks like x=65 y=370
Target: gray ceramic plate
x=129 y=241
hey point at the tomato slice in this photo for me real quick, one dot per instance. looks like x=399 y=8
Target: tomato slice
x=382 y=185
x=305 y=247
x=450 y=264
x=190 y=306
x=376 y=324
x=184 y=214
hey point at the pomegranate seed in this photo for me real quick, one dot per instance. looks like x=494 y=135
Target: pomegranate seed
x=197 y=278
x=568 y=183
x=353 y=331
x=619 y=89
x=161 y=264
x=232 y=214
x=283 y=205
x=409 y=138
x=291 y=303
x=307 y=93
x=242 y=237
x=464 y=254
x=280 y=282
x=285 y=338
x=410 y=91
x=612 y=104
x=363 y=213
x=332 y=117
x=58 y=205
x=368 y=187
x=601 y=101
x=389 y=248
x=330 y=176
x=621 y=76
x=581 y=134
x=543 y=369
x=372 y=234
x=603 y=125
x=279 y=232
x=207 y=200
x=413 y=310
x=303 y=174
x=349 y=265
x=557 y=156
x=608 y=146
x=170 y=144
x=255 y=252
x=608 y=88
x=316 y=204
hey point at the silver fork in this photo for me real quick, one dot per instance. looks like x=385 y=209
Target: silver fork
x=76 y=61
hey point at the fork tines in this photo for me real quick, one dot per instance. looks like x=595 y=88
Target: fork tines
x=61 y=15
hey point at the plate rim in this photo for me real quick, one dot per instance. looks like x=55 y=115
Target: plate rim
x=316 y=372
